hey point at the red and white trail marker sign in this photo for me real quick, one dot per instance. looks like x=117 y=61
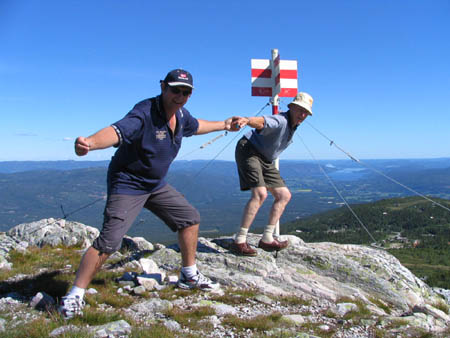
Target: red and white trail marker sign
x=270 y=78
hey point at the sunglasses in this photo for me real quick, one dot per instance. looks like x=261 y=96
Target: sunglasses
x=176 y=91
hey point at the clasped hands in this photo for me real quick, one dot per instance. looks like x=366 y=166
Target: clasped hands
x=236 y=123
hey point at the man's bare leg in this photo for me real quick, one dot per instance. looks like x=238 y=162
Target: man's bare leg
x=89 y=266
x=259 y=195
x=187 y=239
x=282 y=197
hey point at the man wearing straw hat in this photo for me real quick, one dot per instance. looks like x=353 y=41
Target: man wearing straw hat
x=255 y=155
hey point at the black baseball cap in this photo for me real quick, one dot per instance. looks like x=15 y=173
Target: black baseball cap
x=179 y=77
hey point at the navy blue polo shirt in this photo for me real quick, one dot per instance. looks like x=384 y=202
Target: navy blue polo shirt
x=147 y=147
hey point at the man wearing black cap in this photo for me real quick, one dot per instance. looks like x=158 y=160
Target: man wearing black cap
x=148 y=139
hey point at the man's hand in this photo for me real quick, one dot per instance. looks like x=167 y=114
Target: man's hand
x=237 y=123
x=82 y=146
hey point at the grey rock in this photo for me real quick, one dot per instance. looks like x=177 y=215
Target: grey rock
x=64 y=329
x=294 y=318
x=2 y=324
x=53 y=232
x=42 y=301
x=342 y=309
x=4 y=264
x=152 y=306
x=137 y=244
x=220 y=308
x=172 y=325
x=444 y=293
x=322 y=273
x=139 y=290
x=264 y=299
x=432 y=311
x=118 y=328
x=127 y=283
x=148 y=283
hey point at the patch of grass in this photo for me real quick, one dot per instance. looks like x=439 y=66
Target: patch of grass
x=441 y=305
x=426 y=335
x=294 y=300
x=345 y=300
x=39 y=328
x=259 y=323
x=45 y=269
x=172 y=292
x=104 y=283
x=191 y=318
x=381 y=305
x=330 y=314
x=95 y=317
x=235 y=296
x=117 y=301
x=396 y=323
x=314 y=328
x=355 y=315
x=154 y=331
x=379 y=333
x=36 y=259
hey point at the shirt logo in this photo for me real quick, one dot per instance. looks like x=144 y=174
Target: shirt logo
x=161 y=134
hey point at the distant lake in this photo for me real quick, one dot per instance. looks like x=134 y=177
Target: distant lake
x=349 y=174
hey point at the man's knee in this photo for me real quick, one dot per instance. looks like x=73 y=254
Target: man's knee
x=287 y=196
x=259 y=195
x=282 y=196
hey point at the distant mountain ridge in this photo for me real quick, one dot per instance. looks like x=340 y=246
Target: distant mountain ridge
x=419 y=164
x=8 y=167
x=212 y=187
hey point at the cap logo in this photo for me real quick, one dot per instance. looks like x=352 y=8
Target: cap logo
x=182 y=75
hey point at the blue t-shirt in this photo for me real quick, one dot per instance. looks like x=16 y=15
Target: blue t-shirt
x=147 y=147
x=275 y=137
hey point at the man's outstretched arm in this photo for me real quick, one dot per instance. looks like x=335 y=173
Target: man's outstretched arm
x=205 y=126
x=256 y=122
x=104 y=138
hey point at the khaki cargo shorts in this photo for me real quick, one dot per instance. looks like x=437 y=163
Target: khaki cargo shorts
x=254 y=171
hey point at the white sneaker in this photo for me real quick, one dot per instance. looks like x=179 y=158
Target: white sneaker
x=199 y=281
x=71 y=306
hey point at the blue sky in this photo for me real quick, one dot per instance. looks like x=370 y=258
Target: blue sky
x=379 y=71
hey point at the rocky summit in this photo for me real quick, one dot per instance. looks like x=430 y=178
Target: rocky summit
x=307 y=290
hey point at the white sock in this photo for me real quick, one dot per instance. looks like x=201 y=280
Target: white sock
x=189 y=271
x=76 y=291
x=241 y=236
x=268 y=233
